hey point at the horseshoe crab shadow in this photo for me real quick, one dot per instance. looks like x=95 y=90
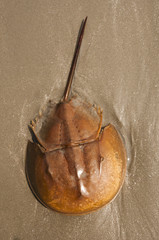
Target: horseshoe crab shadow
x=30 y=162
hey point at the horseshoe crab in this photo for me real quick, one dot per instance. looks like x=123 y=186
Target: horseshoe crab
x=74 y=165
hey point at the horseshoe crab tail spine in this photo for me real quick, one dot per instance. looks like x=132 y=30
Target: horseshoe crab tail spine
x=74 y=61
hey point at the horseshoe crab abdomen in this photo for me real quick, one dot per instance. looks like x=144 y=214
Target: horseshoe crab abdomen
x=68 y=124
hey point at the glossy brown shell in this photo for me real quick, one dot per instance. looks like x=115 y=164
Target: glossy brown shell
x=77 y=166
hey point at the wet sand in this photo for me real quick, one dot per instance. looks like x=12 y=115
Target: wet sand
x=118 y=69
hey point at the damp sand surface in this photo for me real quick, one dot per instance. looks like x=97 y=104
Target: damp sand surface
x=118 y=70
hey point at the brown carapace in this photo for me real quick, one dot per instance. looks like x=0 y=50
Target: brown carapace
x=74 y=165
